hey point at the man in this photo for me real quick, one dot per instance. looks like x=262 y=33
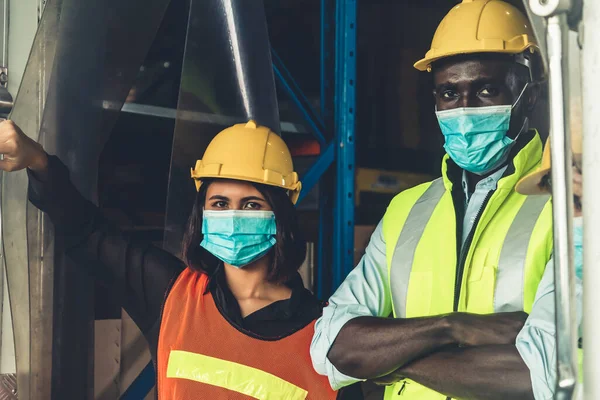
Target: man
x=537 y=340
x=456 y=261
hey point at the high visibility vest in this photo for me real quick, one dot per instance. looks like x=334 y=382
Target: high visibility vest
x=503 y=263
x=202 y=356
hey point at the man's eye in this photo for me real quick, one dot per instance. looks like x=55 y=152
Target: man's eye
x=489 y=92
x=448 y=94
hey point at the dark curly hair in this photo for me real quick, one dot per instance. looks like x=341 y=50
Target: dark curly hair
x=286 y=256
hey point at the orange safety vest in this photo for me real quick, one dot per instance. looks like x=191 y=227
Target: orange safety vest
x=202 y=356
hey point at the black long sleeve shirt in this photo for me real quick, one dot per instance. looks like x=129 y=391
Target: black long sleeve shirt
x=140 y=274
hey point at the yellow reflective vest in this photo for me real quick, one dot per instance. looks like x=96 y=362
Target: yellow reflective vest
x=497 y=270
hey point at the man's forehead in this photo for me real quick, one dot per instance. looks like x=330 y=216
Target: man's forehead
x=471 y=70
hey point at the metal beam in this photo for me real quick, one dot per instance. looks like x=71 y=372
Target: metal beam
x=286 y=79
x=315 y=173
x=345 y=101
x=192 y=116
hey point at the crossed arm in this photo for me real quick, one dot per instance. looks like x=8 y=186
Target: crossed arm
x=462 y=355
x=426 y=351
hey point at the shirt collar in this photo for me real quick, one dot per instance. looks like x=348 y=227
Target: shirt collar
x=486 y=184
x=289 y=309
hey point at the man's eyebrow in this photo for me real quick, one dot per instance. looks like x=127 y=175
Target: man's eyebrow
x=480 y=81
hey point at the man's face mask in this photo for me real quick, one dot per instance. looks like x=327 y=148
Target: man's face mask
x=238 y=238
x=475 y=137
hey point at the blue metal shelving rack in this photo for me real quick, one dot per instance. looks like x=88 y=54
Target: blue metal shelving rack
x=336 y=163
x=338 y=52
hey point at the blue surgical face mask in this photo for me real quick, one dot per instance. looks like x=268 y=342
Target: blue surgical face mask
x=238 y=238
x=475 y=137
x=578 y=242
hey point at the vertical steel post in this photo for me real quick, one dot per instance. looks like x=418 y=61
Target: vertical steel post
x=326 y=193
x=562 y=195
x=591 y=199
x=6 y=100
x=344 y=126
x=557 y=39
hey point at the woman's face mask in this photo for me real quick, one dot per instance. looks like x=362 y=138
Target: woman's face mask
x=238 y=237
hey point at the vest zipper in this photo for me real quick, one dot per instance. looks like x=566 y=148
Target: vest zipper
x=465 y=250
x=401 y=391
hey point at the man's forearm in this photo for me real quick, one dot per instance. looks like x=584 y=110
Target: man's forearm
x=369 y=347
x=481 y=373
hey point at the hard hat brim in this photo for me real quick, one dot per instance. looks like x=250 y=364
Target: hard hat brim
x=293 y=191
x=425 y=63
x=530 y=184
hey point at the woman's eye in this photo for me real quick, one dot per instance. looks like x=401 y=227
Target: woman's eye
x=252 y=206
x=220 y=204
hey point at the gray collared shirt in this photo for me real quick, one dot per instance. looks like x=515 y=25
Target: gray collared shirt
x=365 y=291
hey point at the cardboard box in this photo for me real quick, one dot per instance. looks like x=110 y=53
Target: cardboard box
x=386 y=182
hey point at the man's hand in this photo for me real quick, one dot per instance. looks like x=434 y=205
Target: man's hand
x=490 y=329
x=19 y=150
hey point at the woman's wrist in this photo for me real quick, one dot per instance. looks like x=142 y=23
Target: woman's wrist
x=40 y=162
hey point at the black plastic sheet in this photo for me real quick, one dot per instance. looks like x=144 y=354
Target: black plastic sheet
x=227 y=78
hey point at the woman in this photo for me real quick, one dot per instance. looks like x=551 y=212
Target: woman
x=232 y=322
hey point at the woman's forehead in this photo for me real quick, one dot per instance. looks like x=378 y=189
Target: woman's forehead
x=232 y=188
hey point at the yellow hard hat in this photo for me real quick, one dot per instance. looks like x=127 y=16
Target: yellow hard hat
x=480 y=26
x=530 y=184
x=249 y=152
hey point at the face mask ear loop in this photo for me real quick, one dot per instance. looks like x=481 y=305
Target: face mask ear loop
x=523 y=129
x=520 y=95
x=526 y=119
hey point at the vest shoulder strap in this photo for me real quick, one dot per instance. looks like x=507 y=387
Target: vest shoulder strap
x=406 y=244
x=510 y=280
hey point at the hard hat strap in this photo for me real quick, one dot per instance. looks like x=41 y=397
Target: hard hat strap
x=523 y=59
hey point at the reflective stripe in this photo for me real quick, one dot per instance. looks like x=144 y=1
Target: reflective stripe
x=232 y=376
x=408 y=240
x=510 y=279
